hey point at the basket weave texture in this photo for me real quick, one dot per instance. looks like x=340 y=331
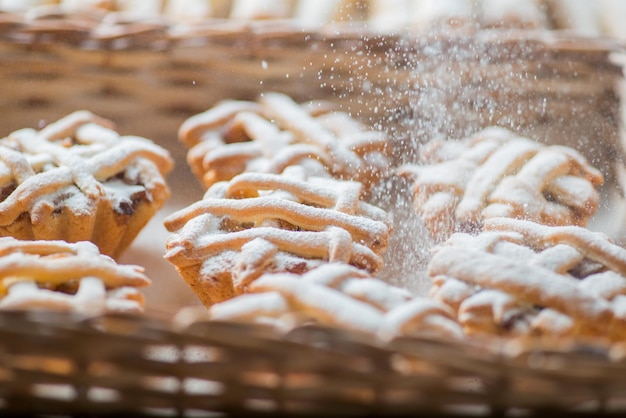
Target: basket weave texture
x=115 y=364
x=149 y=77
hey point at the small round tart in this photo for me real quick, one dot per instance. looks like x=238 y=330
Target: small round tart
x=62 y=276
x=275 y=132
x=495 y=173
x=258 y=223
x=342 y=296
x=79 y=180
x=520 y=278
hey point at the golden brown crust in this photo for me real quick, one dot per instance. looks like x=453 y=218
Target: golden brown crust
x=77 y=179
x=56 y=275
x=342 y=296
x=522 y=278
x=274 y=133
x=459 y=184
x=259 y=223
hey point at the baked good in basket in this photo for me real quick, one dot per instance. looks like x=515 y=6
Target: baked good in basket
x=258 y=222
x=341 y=296
x=71 y=277
x=275 y=132
x=520 y=278
x=79 y=180
x=457 y=185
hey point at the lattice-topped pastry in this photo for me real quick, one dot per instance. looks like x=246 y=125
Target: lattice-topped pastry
x=79 y=180
x=459 y=184
x=61 y=276
x=338 y=295
x=521 y=278
x=269 y=135
x=258 y=223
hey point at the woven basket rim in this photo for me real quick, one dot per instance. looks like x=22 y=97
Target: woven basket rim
x=489 y=347
x=120 y=31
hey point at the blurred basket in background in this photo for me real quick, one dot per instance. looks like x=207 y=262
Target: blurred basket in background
x=149 y=77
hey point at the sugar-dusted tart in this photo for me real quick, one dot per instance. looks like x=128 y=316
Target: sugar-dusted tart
x=274 y=133
x=342 y=296
x=457 y=185
x=77 y=179
x=259 y=222
x=69 y=277
x=521 y=278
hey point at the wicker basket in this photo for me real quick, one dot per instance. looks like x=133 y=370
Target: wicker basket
x=148 y=77
x=140 y=367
